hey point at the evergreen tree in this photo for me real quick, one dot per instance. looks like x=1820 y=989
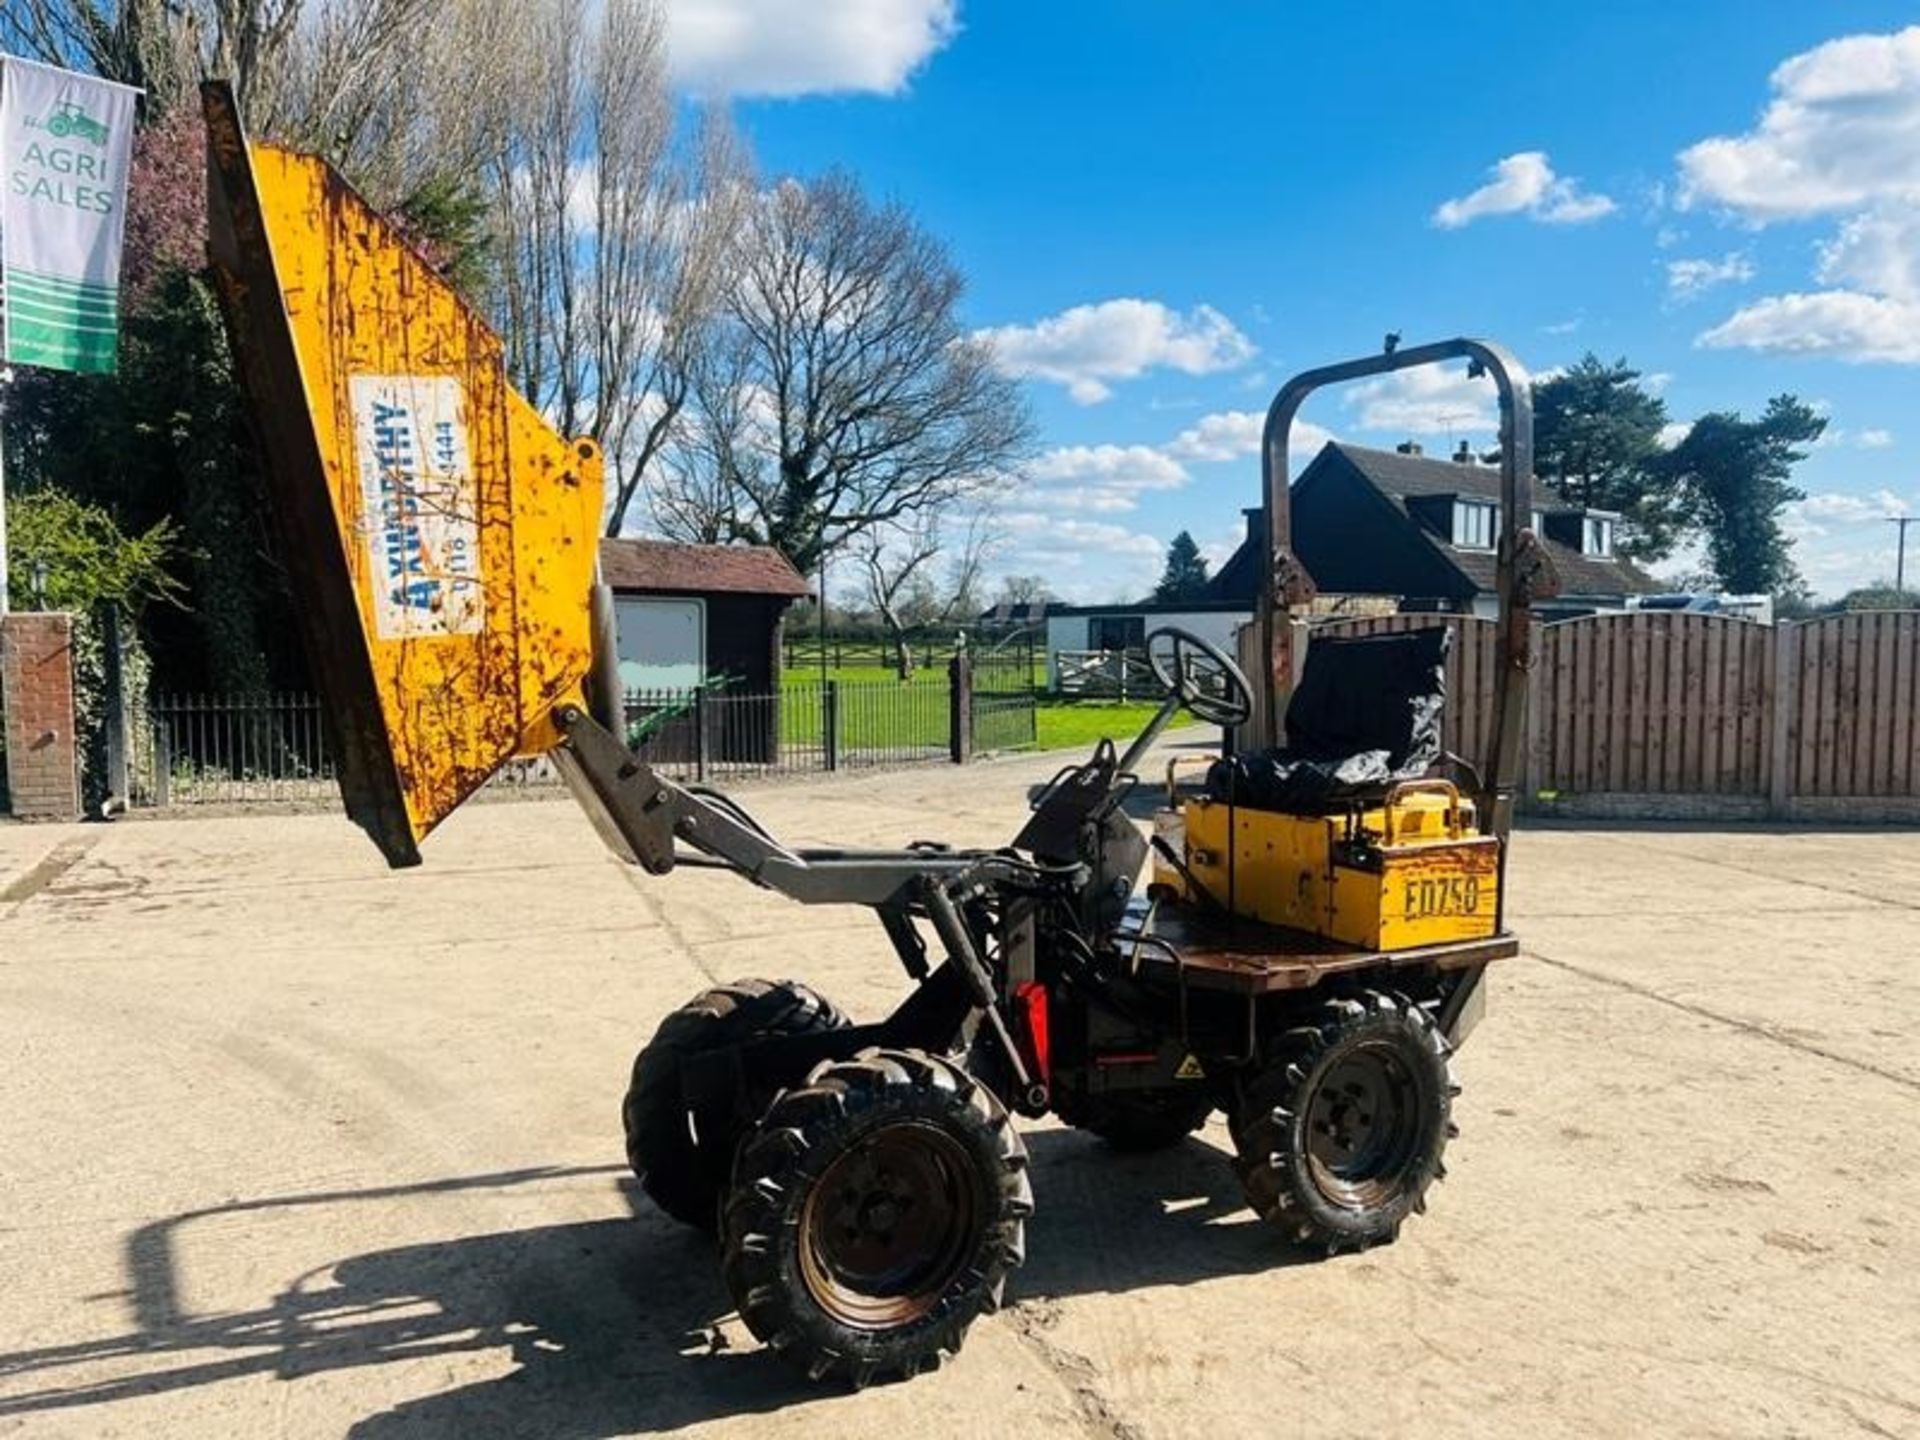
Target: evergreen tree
x=1596 y=435
x=1185 y=577
x=1736 y=475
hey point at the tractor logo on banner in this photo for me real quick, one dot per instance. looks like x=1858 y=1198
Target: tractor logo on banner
x=70 y=119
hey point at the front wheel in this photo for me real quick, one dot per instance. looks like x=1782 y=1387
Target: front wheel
x=875 y=1213
x=1342 y=1130
x=682 y=1160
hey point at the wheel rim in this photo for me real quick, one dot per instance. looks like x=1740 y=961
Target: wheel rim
x=888 y=1226
x=1363 y=1127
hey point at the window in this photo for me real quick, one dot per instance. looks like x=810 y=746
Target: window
x=1598 y=536
x=662 y=642
x=1119 y=632
x=1474 y=523
x=1539 y=522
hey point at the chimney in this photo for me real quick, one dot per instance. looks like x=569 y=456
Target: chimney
x=1464 y=455
x=1409 y=447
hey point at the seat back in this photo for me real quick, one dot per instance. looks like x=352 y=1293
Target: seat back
x=1372 y=692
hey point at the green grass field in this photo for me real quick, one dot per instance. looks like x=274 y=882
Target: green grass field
x=878 y=711
x=877 y=674
x=1078 y=724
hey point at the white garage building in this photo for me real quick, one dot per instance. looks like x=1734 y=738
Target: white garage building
x=1078 y=634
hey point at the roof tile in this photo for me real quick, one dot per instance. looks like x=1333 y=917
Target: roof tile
x=1400 y=477
x=699 y=569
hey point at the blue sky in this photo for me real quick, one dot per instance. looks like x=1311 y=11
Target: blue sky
x=1164 y=209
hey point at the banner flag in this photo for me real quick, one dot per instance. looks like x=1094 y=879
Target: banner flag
x=66 y=146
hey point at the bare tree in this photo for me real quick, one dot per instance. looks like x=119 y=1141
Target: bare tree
x=719 y=446
x=868 y=404
x=380 y=87
x=152 y=44
x=610 y=236
x=1024 y=591
x=300 y=68
x=900 y=577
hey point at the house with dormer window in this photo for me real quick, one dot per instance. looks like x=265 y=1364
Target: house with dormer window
x=1397 y=522
x=1380 y=530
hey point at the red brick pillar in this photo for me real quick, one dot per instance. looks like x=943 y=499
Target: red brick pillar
x=36 y=678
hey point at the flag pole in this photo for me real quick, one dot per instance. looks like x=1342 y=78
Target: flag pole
x=6 y=383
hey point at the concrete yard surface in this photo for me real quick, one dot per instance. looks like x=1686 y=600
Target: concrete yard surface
x=294 y=1145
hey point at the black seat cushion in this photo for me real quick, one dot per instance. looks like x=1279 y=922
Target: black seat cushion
x=1365 y=714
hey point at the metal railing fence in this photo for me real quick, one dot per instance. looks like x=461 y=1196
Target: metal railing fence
x=203 y=749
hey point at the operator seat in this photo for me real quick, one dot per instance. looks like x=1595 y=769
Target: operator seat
x=1365 y=715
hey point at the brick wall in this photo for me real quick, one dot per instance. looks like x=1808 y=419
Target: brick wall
x=36 y=671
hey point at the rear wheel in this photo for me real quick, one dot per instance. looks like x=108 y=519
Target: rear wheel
x=1136 y=1120
x=681 y=1159
x=1342 y=1131
x=875 y=1212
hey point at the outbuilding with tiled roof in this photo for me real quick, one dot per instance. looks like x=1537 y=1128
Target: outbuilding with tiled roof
x=691 y=615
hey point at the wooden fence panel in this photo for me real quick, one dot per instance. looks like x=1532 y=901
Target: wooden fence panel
x=1902 y=641
x=1659 y=703
x=1858 y=706
x=1654 y=703
x=1752 y=730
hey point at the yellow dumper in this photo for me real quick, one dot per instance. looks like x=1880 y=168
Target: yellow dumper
x=1309 y=955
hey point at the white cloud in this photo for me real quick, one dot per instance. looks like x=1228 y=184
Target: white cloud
x=1840 y=324
x=1113 y=478
x=1428 y=401
x=1673 y=432
x=1844 y=508
x=1878 y=252
x=1875 y=439
x=1838 y=135
x=1233 y=434
x=1687 y=279
x=1841 y=136
x=1100 y=477
x=1525 y=184
x=1836 y=566
x=779 y=48
x=1033 y=527
x=1082 y=560
x=1085 y=347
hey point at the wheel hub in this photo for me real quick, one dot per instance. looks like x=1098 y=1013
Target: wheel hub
x=1363 y=1127
x=887 y=1226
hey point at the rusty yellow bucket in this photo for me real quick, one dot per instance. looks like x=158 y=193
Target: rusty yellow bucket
x=439 y=537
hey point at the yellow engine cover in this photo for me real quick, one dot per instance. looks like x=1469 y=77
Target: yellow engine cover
x=1406 y=873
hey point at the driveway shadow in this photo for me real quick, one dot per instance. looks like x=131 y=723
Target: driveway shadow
x=612 y=1324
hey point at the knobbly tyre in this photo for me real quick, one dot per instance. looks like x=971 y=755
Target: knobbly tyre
x=1307 y=958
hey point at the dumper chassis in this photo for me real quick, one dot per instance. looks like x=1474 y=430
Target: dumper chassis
x=867 y=1182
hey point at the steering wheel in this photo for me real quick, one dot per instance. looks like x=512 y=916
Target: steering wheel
x=1199 y=675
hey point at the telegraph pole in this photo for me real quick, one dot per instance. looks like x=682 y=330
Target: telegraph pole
x=1900 y=564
